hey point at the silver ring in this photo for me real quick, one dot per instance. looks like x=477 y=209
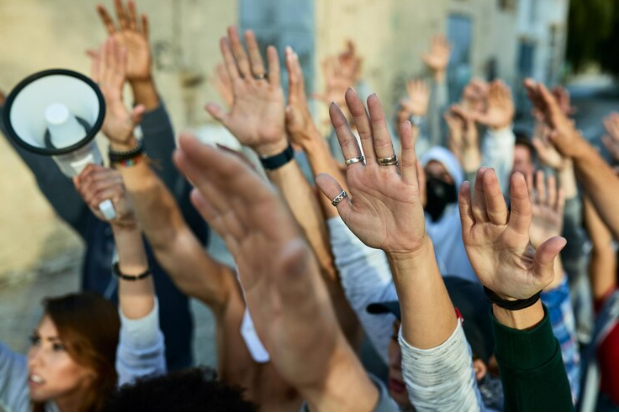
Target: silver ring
x=351 y=161
x=392 y=160
x=262 y=76
x=339 y=198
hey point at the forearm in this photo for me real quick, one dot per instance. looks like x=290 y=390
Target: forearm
x=366 y=278
x=446 y=370
x=145 y=93
x=602 y=271
x=304 y=205
x=428 y=316
x=346 y=386
x=498 y=153
x=601 y=184
x=567 y=179
x=471 y=160
x=136 y=298
x=176 y=248
x=530 y=361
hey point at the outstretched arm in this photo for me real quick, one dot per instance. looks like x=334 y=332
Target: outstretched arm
x=596 y=177
x=174 y=244
x=141 y=349
x=384 y=210
x=296 y=323
x=513 y=272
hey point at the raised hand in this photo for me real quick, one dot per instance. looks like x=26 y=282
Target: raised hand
x=498 y=242
x=455 y=124
x=256 y=117
x=475 y=95
x=109 y=71
x=499 y=111
x=418 y=98
x=563 y=99
x=470 y=152
x=611 y=141
x=288 y=301
x=437 y=58
x=546 y=152
x=384 y=208
x=336 y=82
x=132 y=35
x=96 y=184
x=563 y=134
x=350 y=63
x=547 y=203
x=299 y=122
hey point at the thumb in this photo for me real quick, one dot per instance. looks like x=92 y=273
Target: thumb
x=216 y=112
x=543 y=262
x=137 y=113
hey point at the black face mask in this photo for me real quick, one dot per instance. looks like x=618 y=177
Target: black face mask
x=439 y=194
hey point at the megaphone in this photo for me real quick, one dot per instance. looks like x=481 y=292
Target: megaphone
x=58 y=113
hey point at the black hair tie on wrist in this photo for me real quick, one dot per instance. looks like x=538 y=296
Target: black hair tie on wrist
x=117 y=273
x=511 y=305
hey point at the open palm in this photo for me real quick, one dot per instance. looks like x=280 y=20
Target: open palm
x=384 y=209
x=497 y=241
x=257 y=116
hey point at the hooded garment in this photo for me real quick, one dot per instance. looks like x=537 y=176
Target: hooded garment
x=446 y=232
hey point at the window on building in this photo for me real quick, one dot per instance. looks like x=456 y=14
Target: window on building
x=460 y=34
x=283 y=23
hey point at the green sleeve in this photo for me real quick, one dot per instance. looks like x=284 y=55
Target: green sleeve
x=532 y=369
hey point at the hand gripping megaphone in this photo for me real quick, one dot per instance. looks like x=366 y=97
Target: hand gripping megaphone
x=58 y=113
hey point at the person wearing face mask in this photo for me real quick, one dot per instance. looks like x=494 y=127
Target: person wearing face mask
x=444 y=176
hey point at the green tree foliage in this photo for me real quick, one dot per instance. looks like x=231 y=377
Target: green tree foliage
x=593 y=34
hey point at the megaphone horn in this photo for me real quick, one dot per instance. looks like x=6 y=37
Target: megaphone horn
x=58 y=113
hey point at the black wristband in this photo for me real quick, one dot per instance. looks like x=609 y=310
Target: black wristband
x=271 y=163
x=511 y=305
x=117 y=157
x=118 y=274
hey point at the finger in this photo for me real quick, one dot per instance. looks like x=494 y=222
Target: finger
x=480 y=211
x=208 y=212
x=320 y=97
x=466 y=207
x=145 y=28
x=92 y=53
x=543 y=262
x=121 y=14
x=217 y=112
x=348 y=141
x=362 y=122
x=137 y=113
x=551 y=201
x=382 y=141
x=121 y=67
x=408 y=163
x=107 y=20
x=331 y=189
x=520 y=214
x=299 y=74
x=257 y=65
x=131 y=16
x=242 y=60
x=495 y=203
x=112 y=193
x=540 y=188
x=274 y=70
x=233 y=71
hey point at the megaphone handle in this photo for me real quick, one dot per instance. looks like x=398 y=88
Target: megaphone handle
x=107 y=209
